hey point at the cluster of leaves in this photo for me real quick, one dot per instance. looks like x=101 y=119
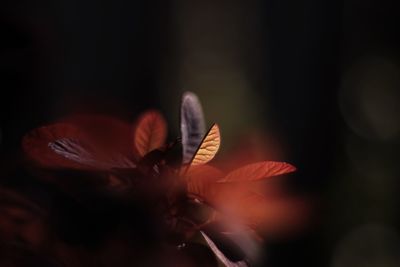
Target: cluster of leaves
x=185 y=200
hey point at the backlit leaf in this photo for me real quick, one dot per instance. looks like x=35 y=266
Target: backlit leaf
x=259 y=170
x=208 y=147
x=150 y=133
x=192 y=125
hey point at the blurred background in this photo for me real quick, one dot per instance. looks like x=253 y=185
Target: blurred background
x=321 y=76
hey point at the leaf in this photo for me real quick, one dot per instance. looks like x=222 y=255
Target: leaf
x=192 y=125
x=204 y=171
x=208 y=148
x=200 y=181
x=150 y=133
x=72 y=150
x=221 y=256
x=259 y=170
x=77 y=151
x=63 y=145
x=36 y=145
x=108 y=134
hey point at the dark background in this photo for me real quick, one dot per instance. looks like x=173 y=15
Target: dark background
x=325 y=75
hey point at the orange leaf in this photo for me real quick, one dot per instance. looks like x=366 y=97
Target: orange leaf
x=208 y=147
x=150 y=133
x=200 y=180
x=259 y=170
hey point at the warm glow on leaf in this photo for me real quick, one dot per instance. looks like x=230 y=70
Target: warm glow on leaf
x=259 y=170
x=208 y=147
x=200 y=180
x=150 y=133
x=204 y=171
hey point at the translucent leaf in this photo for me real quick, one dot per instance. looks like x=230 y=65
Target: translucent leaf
x=208 y=148
x=192 y=125
x=150 y=133
x=259 y=170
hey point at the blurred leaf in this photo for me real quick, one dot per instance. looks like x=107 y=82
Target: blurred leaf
x=78 y=144
x=72 y=150
x=200 y=180
x=221 y=256
x=76 y=151
x=52 y=146
x=192 y=125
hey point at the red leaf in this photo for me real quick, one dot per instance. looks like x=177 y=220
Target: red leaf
x=259 y=170
x=64 y=145
x=200 y=181
x=106 y=133
x=36 y=145
x=150 y=133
